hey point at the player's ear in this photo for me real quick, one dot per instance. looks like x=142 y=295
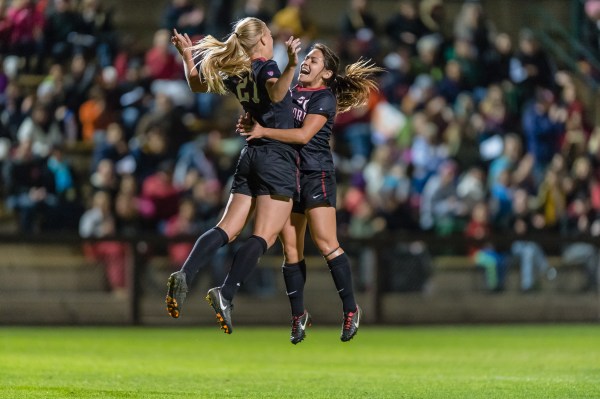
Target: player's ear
x=327 y=74
x=262 y=38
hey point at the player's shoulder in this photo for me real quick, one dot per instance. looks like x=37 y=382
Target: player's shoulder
x=323 y=97
x=264 y=66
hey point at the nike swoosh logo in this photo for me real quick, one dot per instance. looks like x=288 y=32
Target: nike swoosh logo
x=303 y=326
x=357 y=320
x=221 y=302
x=316 y=196
x=290 y=293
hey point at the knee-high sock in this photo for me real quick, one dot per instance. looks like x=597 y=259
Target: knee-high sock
x=204 y=248
x=342 y=277
x=244 y=261
x=294 y=275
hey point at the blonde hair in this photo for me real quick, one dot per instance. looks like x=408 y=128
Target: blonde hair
x=218 y=60
x=353 y=88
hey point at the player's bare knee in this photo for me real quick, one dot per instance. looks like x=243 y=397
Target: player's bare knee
x=326 y=247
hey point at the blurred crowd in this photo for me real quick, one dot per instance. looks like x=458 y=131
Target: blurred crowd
x=473 y=131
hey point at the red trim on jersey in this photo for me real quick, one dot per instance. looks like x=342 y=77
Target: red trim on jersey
x=298 y=188
x=323 y=184
x=301 y=88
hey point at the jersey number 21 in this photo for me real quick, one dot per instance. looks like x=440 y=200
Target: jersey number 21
x=243 y=92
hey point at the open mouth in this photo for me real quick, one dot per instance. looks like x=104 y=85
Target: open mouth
x=304 y=71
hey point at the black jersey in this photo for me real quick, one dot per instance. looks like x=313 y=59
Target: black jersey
x=252 y=93
x=316 y=154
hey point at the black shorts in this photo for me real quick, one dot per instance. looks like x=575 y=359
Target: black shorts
x=316 y=188
x=267 y=170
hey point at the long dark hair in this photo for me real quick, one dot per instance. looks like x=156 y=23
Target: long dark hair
x=353 y=88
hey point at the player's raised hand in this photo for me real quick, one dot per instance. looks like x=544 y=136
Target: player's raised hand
x=181 y=41
x=293 y=48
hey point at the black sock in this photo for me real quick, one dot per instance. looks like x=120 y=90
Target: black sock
x=294 y=275
x=244 y=261
x=342 y=277
x=202 y=252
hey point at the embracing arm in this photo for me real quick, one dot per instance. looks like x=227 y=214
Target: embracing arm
x=302 y=135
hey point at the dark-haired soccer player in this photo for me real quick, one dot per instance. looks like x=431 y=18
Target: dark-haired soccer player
x=321 y=93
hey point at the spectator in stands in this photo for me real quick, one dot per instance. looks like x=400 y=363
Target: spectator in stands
x=149 y=150
x=63 y=25
x=581 y=221
x=550 y=199
x=29 y=187
x=404 y=27
x=41 y=129
x=441 y=210
x=128 y=207
x=182 y=224
x=192 y=157
x=115 y=148
x=465 y=54
x=453 y=83
x=461 y=136
x=95 y=115
x=530 y=66
x=160 y=62
x=256 y=9
x=591 y=31
x=163 y=113
x=358 y=31
x=97 y=23
x=13 y=110
x=158 y=191
x=427 y=151
x=497 y=59
x=577 y=132
x=78 y=80
x=432 y=15
x=99 y=222
x=24 y=26
x=65 y=214
x=292 y=20
x=428 y=61
x=4 y=27
x=184 y=16
x=472 y=24
x=104 y=178
x=528 y=254
x=543 y=125
x=481 y=251
x=471 y=186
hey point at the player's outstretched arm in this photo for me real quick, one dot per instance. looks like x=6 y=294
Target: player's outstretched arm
x=183 y=44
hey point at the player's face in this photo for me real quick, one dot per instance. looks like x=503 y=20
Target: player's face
x=312 y=70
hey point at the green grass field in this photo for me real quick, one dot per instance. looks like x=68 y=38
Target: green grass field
x=396 y=362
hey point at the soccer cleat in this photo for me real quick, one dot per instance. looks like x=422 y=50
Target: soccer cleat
x=299 y=325
x=222 y=308
x=176 y=292
x=350 y=326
